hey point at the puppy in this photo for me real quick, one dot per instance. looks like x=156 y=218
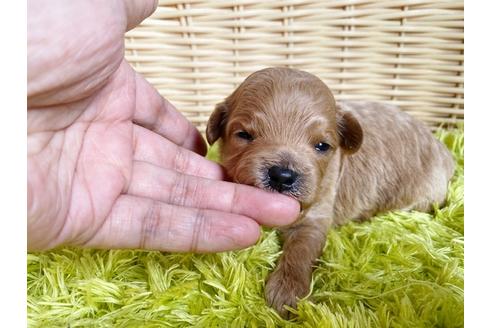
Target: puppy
x=281 y=130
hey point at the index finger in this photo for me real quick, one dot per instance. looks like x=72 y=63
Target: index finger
x=154 y=112
x=171 y=187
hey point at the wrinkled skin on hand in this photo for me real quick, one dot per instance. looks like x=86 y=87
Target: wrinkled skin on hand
x=112 y=164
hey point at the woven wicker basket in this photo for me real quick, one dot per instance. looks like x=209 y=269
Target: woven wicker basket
x=406 y=52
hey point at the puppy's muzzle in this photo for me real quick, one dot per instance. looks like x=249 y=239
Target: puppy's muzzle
x=281 y=178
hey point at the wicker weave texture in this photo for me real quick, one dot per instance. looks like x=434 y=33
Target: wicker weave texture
x=406 y=52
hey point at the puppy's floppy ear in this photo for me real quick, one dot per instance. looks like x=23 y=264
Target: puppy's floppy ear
x=349 y=130
x=216 y=123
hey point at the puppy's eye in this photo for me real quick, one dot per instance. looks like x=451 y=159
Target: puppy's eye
x=244 y=135
x=322 y=147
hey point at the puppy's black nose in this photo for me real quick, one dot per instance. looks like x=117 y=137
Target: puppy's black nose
x=281 y=178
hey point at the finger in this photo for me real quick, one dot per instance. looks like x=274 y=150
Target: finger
x=159 y=115
x=146 y=224
x=152 y=148
x=168 y=186
x=137 y=11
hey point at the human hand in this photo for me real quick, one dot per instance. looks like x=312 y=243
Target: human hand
x=112 y=164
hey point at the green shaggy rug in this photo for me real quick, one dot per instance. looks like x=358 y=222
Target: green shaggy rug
x=397 y=270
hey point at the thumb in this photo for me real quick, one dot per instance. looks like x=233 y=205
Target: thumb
x=137 y=11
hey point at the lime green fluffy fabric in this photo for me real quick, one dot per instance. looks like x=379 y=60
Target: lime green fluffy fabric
x=398 y=270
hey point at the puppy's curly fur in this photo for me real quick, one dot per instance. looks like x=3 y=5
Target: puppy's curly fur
x=282 y=130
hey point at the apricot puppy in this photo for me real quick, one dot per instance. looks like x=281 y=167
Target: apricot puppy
x=282 y=130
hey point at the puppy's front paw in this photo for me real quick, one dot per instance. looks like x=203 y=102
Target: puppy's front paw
x=284 y=287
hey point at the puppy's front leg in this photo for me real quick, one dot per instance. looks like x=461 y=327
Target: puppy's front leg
x=303 y=244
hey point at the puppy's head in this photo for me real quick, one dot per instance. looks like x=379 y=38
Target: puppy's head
x=279 y=130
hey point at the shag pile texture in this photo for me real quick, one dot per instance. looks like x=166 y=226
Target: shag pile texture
x=398 y=270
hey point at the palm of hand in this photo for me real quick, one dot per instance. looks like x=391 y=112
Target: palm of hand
x=80 y=124
x=85 y=165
